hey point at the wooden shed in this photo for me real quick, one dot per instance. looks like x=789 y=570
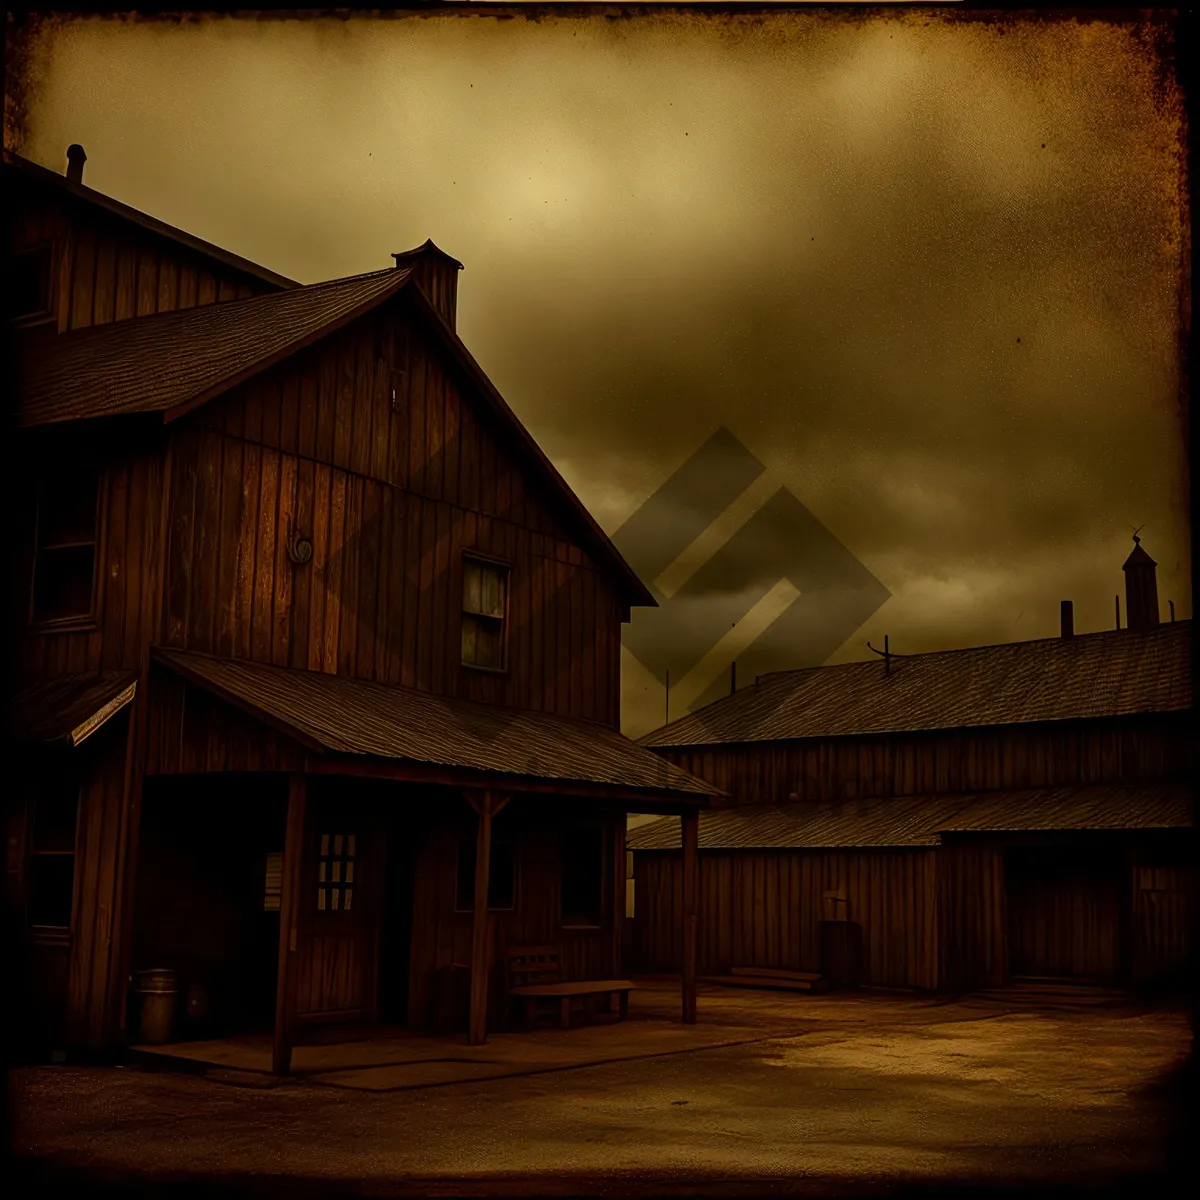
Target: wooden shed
x=954 y=820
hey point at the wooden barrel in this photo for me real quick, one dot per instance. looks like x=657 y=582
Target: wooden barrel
x=157 y=994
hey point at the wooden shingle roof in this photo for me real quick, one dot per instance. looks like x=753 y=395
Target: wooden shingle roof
x=921 y=820
x=71 y=708
x=1110 y=674
x=176 y=359
x=357 y=718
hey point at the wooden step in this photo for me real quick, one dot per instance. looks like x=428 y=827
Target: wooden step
x=777 y=973
x=770 y=983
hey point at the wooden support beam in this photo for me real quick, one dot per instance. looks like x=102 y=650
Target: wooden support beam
x=691 y=886
x=289 y=919
x=482 y=803
x=617 y=883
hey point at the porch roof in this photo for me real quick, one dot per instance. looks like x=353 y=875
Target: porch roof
x=921 y=820
x=72 y=707
x=335 y=715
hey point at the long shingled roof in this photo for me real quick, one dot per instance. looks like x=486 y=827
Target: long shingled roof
x=156 y=363
x=330 y=713
x=921 y=820
x=1110 y=674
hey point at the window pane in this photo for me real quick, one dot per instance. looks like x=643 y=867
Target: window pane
x=29 y=285
x=472 y=586
x=55 y=811
x=67 y=509
x=321 y=899
x=63 y=584
x=333 y=894
x=583 y=877
x=349 y=897
x=489 y=643
x=51 y=878
x=493 y=592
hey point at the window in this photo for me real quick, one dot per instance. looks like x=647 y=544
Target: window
x=583 y=877
x=273 y=886
x=502 y=875
x=335 y=872
x=30 y=290
x=64 y=573
x=485 y=606
x=53 y=817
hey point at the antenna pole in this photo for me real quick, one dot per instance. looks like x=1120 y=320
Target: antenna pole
x=1171 y=606
x=887 y=656
x=1118 y=600
x=667 y=714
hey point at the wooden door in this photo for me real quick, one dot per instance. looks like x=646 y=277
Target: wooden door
x=337 y=972
x=1065 y=918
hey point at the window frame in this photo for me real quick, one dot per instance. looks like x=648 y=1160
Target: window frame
x=69 y=779
x=75 y=621
x=487 y=560
x=50 y=312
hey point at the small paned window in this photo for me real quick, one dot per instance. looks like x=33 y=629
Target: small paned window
x=273 y=886
x=64 y=574
x=54 y=815
x=583 y=877
x=485 y=609
x=335 y=872
x=502 y=875
x=30 y=290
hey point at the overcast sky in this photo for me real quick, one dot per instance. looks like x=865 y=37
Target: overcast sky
x=925 y=270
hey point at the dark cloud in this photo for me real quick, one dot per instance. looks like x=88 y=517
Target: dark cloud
x=926 y=269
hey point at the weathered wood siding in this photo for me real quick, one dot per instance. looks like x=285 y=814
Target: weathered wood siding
x=390 y=492
x=95 y=993
x=1121 y=749
x=1164 y=906
x=971 y=916
x=764 y=908
x=441 y=936
x=107 y=269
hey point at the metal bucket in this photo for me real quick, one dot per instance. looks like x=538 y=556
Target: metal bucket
x=157 y=994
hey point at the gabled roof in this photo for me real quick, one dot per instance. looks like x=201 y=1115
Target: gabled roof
x=333 y=714
x=921 y=820
x=180 y=359
x=1095 y=675
x=174 y=362
x=71 y=708
x=77 y=191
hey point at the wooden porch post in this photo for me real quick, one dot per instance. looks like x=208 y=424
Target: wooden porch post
x=617 y=874
x=690 y=823
x=487 y=804
x=289 y=913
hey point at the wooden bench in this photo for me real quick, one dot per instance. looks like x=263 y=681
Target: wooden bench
x=534 y=973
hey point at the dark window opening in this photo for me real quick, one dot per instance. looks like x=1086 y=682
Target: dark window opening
x=502 y=875
x=30 y=292
x=583 y=877
x=54 y=816
x=65 y=567
x=485 y=607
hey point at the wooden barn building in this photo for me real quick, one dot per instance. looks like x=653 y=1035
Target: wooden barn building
x=954 y=820
x=318 y=654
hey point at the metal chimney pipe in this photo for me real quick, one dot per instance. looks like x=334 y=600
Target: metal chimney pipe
x=75 y=160
x=1067 y=618
x=1118 y=600
x=733 y=677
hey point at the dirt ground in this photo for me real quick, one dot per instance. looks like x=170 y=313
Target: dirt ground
x=834 y=1095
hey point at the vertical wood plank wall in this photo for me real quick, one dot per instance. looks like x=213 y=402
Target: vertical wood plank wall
x=107 y=270
x=763 y=908
x=92 y=998
x=390 y=493
x=1122 y=749
x=1163 y=908
x=971 y=926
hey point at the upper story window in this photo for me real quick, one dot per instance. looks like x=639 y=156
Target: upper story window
x=30 y=289
x=64 y=571
x=485 y=613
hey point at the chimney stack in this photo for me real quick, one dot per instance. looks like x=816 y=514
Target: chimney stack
x=1141 y=588
x=436 y=274
x=1067 y=614
x=75 y=160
